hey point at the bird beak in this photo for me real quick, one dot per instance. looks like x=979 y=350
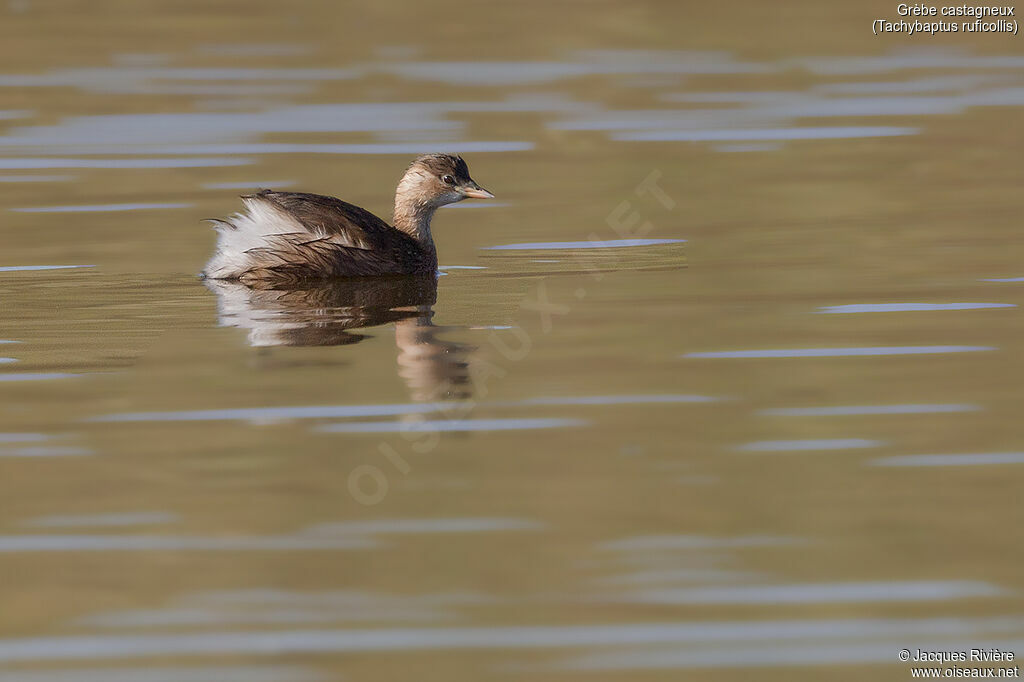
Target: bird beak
x=475 y=191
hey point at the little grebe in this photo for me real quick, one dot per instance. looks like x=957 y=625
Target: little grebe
x=292 y=236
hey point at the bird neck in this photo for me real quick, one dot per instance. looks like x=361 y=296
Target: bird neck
x=413 y=212
x=414 y=220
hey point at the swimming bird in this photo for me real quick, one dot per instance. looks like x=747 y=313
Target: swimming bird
x=283 y=237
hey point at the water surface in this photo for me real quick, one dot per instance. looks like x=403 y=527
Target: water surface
x=725 y=385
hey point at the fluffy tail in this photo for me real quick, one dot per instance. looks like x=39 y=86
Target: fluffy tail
x=242 y=237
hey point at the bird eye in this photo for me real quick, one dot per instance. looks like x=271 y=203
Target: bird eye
x=448 y=180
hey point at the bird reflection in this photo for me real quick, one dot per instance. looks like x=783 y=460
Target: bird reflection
x=324 y=313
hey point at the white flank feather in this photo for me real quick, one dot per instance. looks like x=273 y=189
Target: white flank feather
x=247 y=230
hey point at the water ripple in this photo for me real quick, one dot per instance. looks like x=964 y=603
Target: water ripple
x=22 y=437
x=653 y=543
x=270 y=414
x=220 y=673
x=100 y=208
x=45 y=451
x=759 y=655
x=94 y=520
x=277 y=606
x=907 y=307
x=35 y=178
x=820 y=593
x=957 y=460
x=652 y=399
x=173 y=543
x=756 y=134
x=607 y=244
x=342 y=535
x=446 y=425
x=279 y=413
x=838 y=352
x=283 y=642
x=852 y=410
x=179 y=162
x=31 y=268
x=810 y=444
x=310 y=148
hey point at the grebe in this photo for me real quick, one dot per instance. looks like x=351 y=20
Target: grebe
x=292 y=236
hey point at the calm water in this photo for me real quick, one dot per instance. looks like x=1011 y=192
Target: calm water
x=725 y=384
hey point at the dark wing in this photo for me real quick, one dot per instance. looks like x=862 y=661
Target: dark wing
x=337 y=239
x=326 y=216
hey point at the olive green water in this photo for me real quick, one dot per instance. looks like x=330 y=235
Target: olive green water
x=563 y=463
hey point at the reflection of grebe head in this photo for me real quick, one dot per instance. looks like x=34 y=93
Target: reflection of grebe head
x=433 y=369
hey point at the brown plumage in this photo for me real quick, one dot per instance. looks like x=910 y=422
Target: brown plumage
x=293 y=236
